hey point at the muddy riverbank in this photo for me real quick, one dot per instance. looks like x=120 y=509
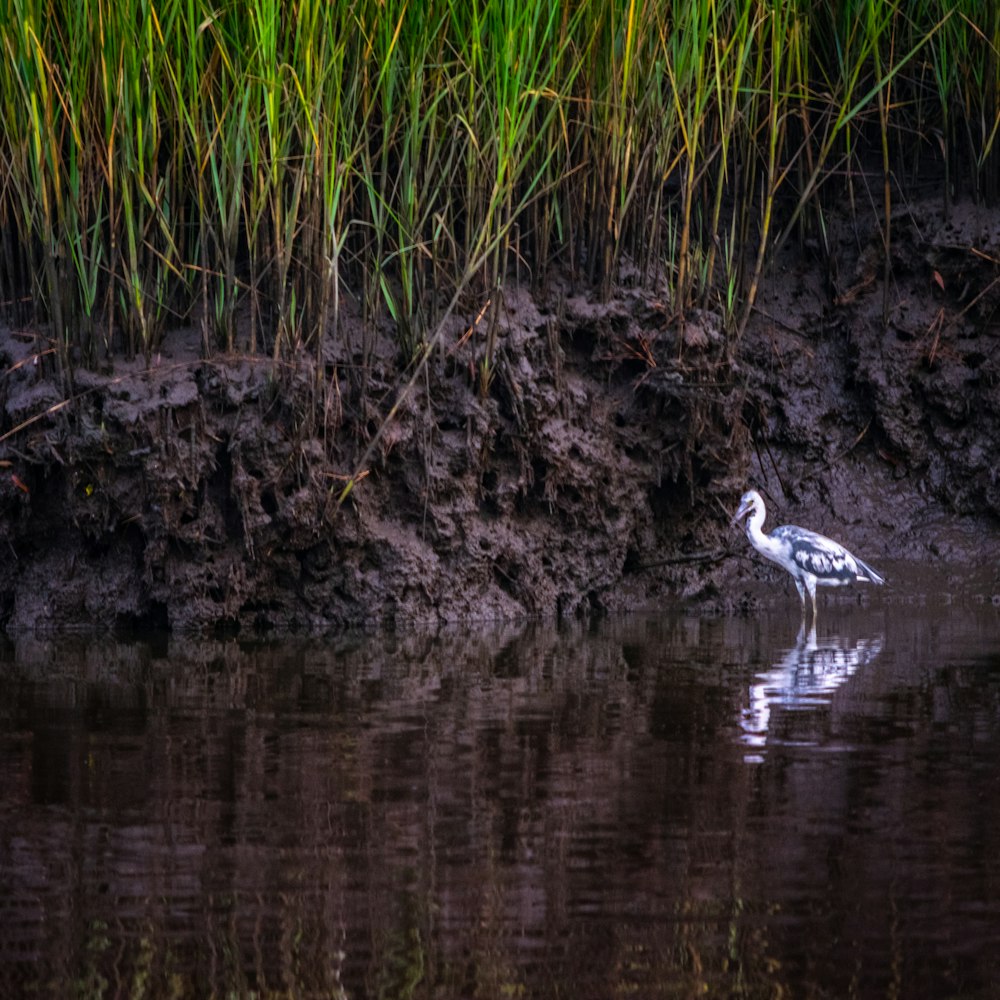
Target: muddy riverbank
x=596 y=471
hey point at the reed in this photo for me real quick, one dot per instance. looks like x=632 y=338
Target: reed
x=168 y=159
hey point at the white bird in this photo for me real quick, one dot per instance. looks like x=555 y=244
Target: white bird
x=812 y=559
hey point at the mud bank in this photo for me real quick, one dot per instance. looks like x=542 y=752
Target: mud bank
x=594 y=473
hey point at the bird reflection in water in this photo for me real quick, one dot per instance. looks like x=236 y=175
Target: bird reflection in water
x=804 y=678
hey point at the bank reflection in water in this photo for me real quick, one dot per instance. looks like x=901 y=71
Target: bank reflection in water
x=525 y=811
x=804 y=678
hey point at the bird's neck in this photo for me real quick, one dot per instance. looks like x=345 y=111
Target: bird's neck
x=755 y=532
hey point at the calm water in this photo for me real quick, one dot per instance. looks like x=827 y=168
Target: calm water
x=650 y=807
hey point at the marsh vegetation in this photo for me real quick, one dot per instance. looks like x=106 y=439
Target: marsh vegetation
x=169 y=161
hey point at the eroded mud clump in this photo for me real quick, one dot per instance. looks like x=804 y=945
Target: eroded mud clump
x=190 y=493
x=878 y=406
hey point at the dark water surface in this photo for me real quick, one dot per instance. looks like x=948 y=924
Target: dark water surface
x=648 y=807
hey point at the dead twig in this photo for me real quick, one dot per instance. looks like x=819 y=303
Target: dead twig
x=692 y=557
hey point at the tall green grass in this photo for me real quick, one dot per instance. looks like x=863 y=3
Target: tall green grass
x=168 y=161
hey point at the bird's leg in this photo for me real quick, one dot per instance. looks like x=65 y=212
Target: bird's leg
x=802 y=597
x=811 y=585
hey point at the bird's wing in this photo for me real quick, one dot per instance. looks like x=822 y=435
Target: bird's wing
x=816 y=554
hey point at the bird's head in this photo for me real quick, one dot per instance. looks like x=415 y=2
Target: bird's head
x=750 y=503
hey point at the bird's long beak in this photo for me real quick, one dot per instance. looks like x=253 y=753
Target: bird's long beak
x=741 y=513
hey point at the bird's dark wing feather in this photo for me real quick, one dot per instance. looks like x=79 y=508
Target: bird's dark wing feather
x=821 y=556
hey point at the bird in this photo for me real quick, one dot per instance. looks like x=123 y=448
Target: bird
x=812 y=559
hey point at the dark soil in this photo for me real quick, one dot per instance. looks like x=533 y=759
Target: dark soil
x=598 y=471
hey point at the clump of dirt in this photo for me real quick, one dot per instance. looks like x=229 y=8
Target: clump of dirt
x=192 y=494
x=595 y=471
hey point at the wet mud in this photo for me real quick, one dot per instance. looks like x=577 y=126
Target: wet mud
x=595 y=471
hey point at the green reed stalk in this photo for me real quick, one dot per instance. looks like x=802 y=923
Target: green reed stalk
x=426 y=163
x=772 y=73
x=974 y=32
x=880 y=25
x=382 y=60
x=145 y=222
x=731 y=47
x=335 y=111
x=33 y=116
x=690 y=72
x=277 y=184
x=619 y=138
x=213 y=108
x=528 y=101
